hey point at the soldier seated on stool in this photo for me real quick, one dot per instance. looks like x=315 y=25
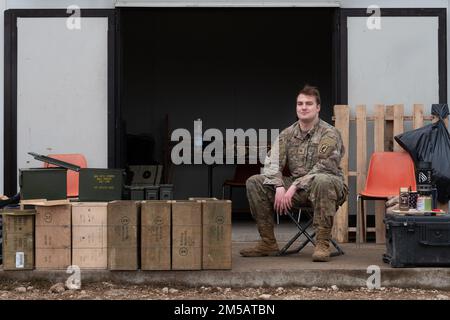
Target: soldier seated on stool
x=312 y=150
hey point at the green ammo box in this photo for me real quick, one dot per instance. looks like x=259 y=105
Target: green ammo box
x=126 y=193
x=100 y=184
x=141 y=192
x=43 y=183
x=137 y=192
x=151 y=192
x=166 y=192
x=94 y=184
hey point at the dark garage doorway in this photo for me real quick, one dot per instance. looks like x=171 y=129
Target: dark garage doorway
x=231 y=67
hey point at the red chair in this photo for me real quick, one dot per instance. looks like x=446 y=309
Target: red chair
x=241 y=174
x=72 y=176
x=388 y=171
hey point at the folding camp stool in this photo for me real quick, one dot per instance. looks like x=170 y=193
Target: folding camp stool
x=309 y=236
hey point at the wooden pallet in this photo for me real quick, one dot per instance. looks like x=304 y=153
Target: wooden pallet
x=388 y=122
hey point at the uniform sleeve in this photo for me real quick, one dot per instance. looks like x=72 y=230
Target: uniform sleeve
x=329 y=154
x=275 y=161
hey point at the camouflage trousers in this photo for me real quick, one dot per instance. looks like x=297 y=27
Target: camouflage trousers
x=326 y=194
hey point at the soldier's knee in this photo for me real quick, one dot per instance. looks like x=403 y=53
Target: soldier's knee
x=322 y=189
x=254 y=182
x=321 y=181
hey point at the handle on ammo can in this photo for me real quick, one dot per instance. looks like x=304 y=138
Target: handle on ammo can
x=56 y=162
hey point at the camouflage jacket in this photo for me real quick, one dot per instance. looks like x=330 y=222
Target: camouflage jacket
x=318 y=151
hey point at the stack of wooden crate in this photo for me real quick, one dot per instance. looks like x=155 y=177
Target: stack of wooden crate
x=200 y=236
x=18 y=239
x=216 y=234
x=123 y=221
x=53 y=236
x=156 y=235
x=186 y=235
x=120 y=235
x=89 y=235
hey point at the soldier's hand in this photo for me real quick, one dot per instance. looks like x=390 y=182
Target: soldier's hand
x=279 y=196
x=288 y=198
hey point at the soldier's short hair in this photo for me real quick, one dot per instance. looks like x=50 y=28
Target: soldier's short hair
x=311 y=91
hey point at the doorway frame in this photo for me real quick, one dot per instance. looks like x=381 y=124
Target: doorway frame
x=10 y=86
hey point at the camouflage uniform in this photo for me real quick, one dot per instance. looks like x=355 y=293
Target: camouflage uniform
x=313 y=160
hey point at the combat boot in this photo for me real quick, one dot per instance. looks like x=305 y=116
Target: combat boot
x=267 y=246
x=322 y=248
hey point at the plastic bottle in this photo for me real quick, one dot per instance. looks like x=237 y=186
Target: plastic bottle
x=434 y=195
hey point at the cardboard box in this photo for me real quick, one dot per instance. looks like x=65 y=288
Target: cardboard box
x=216 y=252
x=89 y=213
x=18 y=239
x=186 y=235
x=89 y=235
x=53 y=237
x=90 y=258
x=156 y=235
x=123 y=221
x=53 y=259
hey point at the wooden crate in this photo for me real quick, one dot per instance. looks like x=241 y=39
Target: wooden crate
x=123 y=221
x=53 y=259
x=186 y=235
x=156 y=235
x=18 y=239
x=53 y=237
x=216 y=251
x=89 y=235
x=388 y=121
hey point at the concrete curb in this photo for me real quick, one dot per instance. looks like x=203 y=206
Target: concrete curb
x=430 y=278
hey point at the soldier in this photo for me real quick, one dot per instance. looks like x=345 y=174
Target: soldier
x=312 y=150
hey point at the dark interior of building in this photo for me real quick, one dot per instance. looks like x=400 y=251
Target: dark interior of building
x=230 y=67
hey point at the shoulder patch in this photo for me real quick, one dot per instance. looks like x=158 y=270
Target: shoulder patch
x=327 y=144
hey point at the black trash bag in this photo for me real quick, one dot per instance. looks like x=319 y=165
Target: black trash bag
x=432 y=143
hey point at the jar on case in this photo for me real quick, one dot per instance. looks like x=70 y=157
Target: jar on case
x=404 y=199
x=413 y=195
x=424 y=203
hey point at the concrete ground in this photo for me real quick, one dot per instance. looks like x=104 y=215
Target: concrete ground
x=347 y=271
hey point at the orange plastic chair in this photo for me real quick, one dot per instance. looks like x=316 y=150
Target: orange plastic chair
x=72 y=176
x=388 y=171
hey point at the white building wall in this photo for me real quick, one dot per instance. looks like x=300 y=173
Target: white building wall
x=66 y=83
x=43 y=4
x=107 y=4
x=387 y=66
x=2 y=50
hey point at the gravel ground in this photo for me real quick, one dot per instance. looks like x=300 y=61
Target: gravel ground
x=111 y=291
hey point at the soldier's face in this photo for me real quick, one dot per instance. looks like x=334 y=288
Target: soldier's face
x=307 y=108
